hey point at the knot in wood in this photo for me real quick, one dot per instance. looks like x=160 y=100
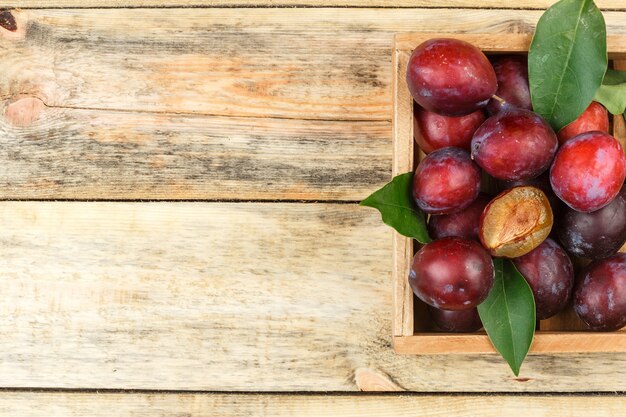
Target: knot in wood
x=24 y=111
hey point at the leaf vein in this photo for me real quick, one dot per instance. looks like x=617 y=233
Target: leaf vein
x=569 y=54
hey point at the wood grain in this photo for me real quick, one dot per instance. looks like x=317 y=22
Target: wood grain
x=88 y=154
x=303 y=63
x=521 y=4
x=217 y=296
x=544 y=342
x=238 y=405
x=403 y=323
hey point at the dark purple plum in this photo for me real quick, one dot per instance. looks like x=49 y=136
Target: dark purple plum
x=450 y=77
x=434 y=131
x=600 y=294
x=512 y=74
x=515 y=144
x=588 y=171
x=446 y=181
x=461 y=224
x=550 y=274
x=595 y=235
x=452 y=274
x=460 y=321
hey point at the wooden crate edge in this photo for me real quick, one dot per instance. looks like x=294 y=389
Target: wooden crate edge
x=544 y=342
x=404 y=340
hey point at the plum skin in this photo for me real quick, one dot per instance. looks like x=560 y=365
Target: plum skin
x=461 y=224
x=600 y=294
x=446 y=181
x=595 y=235
x=512 y=75
x=550 y=274
x=450 y=77
x=452 y=274
x=595 y=117
x=515 y=144
x=433 y=131
x=588 y=171
x=459 y=321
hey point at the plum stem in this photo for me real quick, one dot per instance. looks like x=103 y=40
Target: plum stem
x=499 y=99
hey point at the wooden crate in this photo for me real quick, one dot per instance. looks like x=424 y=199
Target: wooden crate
x=412 y=332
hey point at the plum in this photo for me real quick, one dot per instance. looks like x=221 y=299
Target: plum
x=595 y=117
x=452 y=273
x=550 y=274
x=434 y=131
x=462 y=224
x=459 y=321
x=450 y=77
x=515 y=144
x=515 y=222
x=446 y=181
x=600 y=294
x=512 y=74
x=595 y=235
x=588 y=171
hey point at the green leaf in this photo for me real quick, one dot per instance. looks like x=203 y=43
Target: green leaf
x=508 y=314
x=612 y=92
x=398 y=209
x=567 y=60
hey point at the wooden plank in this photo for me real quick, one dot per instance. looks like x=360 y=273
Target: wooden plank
x=402 y=162
x=226 y=296
x=522 y=4
x=619 y=125
x=244 y=405
x=304 y=63
x=544 y=341
x=87 y=154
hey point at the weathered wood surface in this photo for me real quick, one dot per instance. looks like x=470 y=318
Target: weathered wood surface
x=86 y=154
x=521 y=4
x=226 y=296
x=219 y=104
x=291 y=63
x=238 y=405
x=66 y=71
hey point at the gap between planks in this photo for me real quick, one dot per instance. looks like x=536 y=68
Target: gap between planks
x=163 y=201
x=382 y=394
x=427 y=4
x=174 y=113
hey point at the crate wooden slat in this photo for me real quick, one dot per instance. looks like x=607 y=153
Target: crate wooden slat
x=497 y=43
x=544 y=342
x=563 y=333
